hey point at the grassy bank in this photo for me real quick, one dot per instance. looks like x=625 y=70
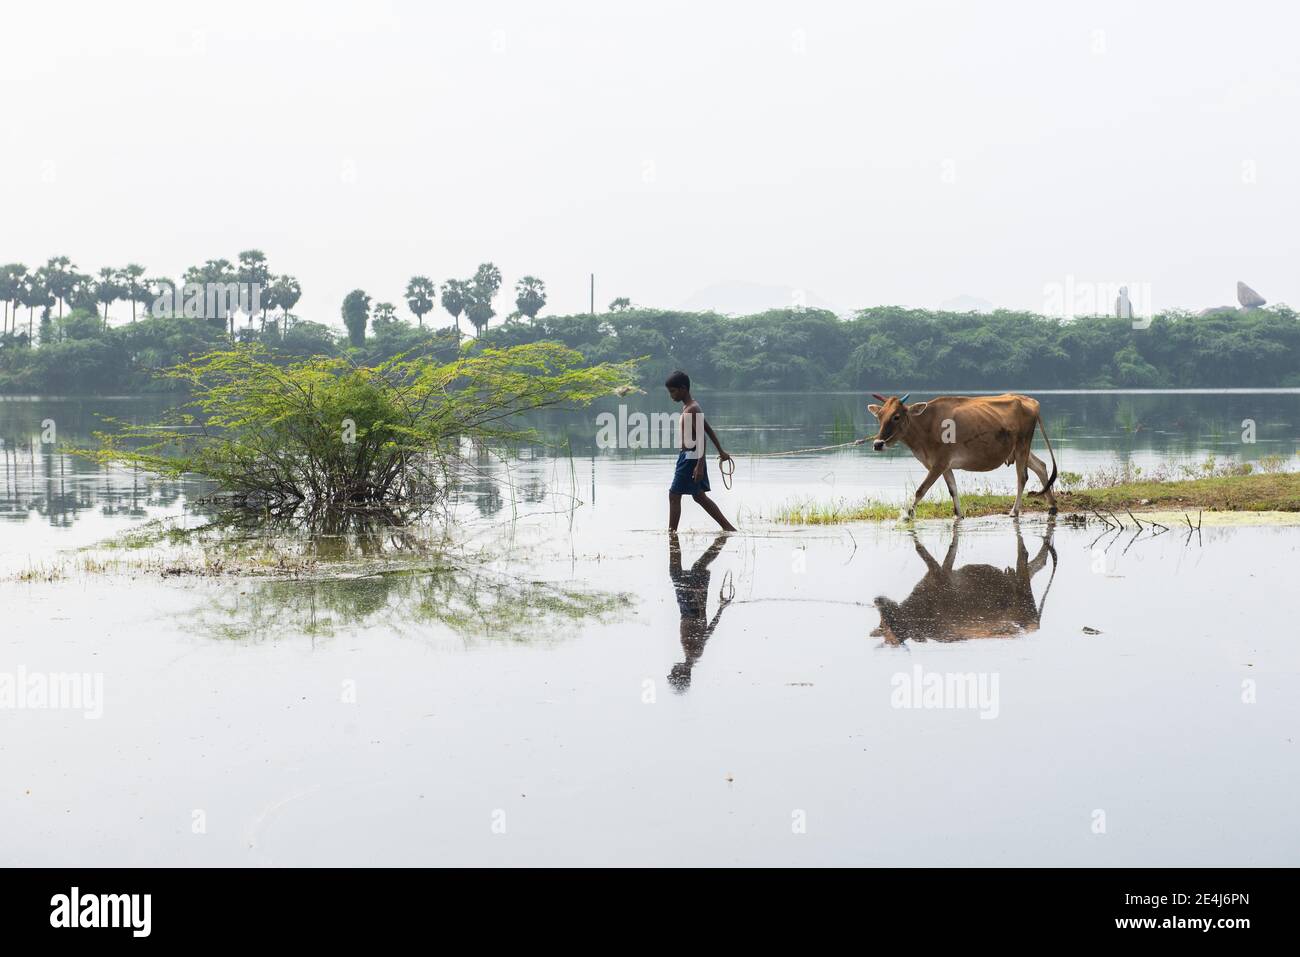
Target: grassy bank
x=1279 y=492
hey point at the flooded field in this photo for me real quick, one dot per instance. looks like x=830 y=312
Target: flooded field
x=565 y=683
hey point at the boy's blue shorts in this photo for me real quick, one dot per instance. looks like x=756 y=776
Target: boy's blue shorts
x=684 y=476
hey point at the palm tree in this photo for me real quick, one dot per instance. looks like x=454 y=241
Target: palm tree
x=133 y=287
x=455 y=299
x=214 y=272
x=108 y=289
x=385 y=313
x=482 y=289
x=421 y=296
x=158 y=288
x=36 y=292
x=13 y=279
x=82 y=292
x=287 y=293
x=530 y=297
x=254 y=272
x=59 y=273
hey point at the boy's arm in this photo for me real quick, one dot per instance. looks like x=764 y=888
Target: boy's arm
x=697 y=417
x=708 y=430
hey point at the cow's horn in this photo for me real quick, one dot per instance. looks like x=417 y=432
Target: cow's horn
x=877 y=395
x=903 y=400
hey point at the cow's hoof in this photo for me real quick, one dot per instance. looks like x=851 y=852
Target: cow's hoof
x=1052 y=510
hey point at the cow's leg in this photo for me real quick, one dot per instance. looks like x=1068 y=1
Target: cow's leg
x=1022 y=473
x=1038 y=561
x=950 y=559
x=931 y=477
x=1040 y=469
x=926 y=557
x=952 y=490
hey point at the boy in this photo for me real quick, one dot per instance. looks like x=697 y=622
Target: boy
x=691 y=477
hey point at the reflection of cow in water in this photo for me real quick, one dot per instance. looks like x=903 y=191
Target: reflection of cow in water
x=974 y=601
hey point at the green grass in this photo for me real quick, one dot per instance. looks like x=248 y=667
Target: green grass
x=1278 y=492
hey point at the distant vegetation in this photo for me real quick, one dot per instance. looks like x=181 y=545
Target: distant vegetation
x=889 y=347
x=69 y=342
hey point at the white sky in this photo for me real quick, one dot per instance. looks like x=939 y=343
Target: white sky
x=665 y=146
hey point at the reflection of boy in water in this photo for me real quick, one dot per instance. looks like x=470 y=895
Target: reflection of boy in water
x=692 y=589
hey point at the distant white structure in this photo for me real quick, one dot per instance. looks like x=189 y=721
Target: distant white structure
x=1123 y=308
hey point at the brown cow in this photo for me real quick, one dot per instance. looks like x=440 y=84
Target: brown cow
x=975 y=433
x=974 y=601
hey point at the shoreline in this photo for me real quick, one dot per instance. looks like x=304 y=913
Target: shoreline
x=1267 y=499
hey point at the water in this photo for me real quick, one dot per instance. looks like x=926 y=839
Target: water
x=41 y=491
x=571 y=688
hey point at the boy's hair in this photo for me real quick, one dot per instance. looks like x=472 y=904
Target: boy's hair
x=678 y=380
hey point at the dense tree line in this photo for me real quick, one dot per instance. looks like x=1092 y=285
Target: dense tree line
x=883 y=348
x=889 y=347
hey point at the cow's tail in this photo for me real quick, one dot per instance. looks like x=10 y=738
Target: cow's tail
x=1052 y=479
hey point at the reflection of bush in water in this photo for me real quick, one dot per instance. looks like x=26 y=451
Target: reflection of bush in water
x=472 y=603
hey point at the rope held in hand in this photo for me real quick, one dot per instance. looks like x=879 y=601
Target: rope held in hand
x=727 y=474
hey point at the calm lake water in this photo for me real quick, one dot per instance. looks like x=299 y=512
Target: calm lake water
x=577 y=688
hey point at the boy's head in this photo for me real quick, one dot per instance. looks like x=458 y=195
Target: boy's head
x=678 y=385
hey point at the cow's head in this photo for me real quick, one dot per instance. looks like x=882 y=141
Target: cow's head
x=893 y=415
x=889 y=620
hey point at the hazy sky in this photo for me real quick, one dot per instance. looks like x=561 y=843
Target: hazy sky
x=867 y=153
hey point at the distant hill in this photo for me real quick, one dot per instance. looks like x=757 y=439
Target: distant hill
x=749 y=298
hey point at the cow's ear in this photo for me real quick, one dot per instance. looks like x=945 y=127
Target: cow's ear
x=874 y=410
x=916 y=408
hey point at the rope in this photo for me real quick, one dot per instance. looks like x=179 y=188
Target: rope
x=814 y=601
x=728 y=474
x=820 y=448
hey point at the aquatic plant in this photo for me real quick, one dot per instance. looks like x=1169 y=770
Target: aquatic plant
x=474 y=603
x=325 y=432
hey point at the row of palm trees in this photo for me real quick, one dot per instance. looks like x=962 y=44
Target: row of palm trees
x=59 y=283
x=277 y=292
x=471 y=298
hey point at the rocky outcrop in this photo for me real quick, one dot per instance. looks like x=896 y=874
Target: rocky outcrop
x=1248 y=297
